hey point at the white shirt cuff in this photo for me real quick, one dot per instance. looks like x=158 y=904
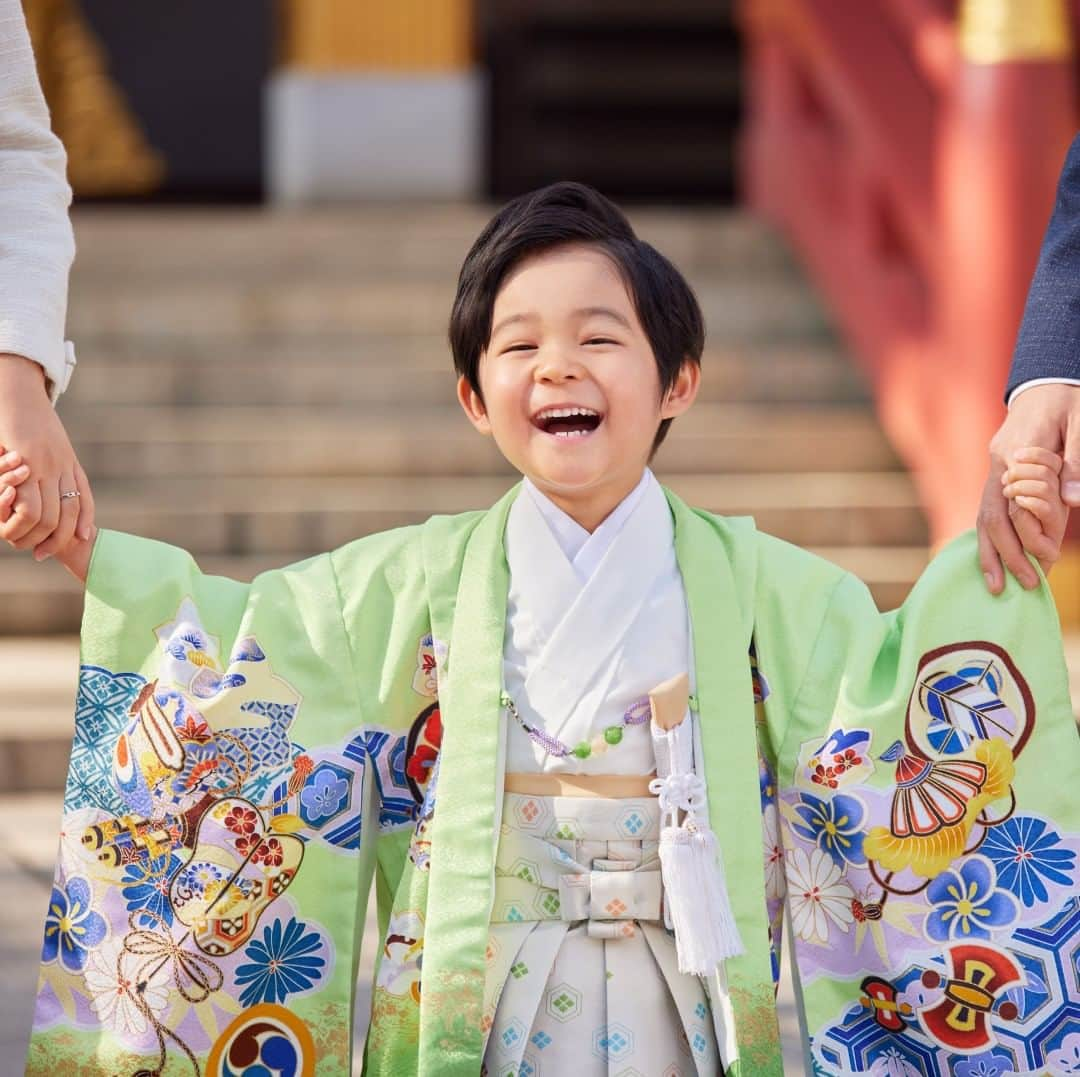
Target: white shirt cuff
x=57 y=362
x=59 y=384
x=1024 y=386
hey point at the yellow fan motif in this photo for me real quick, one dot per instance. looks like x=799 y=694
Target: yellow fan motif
x=935 y=806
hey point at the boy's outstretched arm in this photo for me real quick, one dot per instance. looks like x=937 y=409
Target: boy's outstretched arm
x=75 y=555
x=1032 y=485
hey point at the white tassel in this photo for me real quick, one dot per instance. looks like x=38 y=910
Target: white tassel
x=694 y=892
x=696 y=902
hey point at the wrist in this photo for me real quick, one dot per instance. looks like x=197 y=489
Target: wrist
x=19 y=369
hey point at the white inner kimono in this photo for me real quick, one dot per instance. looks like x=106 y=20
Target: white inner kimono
x=594 y=622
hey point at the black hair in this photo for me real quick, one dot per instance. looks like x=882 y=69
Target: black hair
x=572 y=213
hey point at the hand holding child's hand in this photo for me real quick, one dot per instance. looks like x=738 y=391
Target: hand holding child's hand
x=75 y=555
x=1032 y=485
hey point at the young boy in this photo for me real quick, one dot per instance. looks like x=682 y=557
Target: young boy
x=589 y=742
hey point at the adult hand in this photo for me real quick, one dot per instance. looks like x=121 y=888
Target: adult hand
x=29 y=425
x=1046 y=416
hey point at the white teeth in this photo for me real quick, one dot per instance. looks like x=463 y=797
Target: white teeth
x=572 y=433
x=564 y=413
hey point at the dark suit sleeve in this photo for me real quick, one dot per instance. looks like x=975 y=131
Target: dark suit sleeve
x=1048 y=345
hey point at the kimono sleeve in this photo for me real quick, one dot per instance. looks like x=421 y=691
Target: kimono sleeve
x=929 y=831
x=213 y=864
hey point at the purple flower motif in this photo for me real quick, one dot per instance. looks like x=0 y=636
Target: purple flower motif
x=967 y=903
x=72 y=928
x=323 y=795
x=984 y=1065
x=1025 y=852
x=834 y=825
x=1066 y=1059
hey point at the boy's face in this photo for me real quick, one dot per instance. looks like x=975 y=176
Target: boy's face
x=565 y=336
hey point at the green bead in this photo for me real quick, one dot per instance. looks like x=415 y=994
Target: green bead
x=583 y=750
x=613 y=734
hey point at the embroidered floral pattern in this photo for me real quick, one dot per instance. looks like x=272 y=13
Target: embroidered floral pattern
x=324 y=795
x=967 y=904
x=891 y=1063
x=120 y=1002
x=426 y=677
x=72 y=928
x=147 y=889
x=241 y=820
x=841 y=761
x=1066 y=1059
x=818 y=894
x=774 y=854
x=1026 y=852
x=200 y=879
x=283 y=963
x=984 y=1065
x=269 y=853
x=834 y=825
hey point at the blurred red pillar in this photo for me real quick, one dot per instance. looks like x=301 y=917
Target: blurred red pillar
x=912 y=159
x=1007 y=118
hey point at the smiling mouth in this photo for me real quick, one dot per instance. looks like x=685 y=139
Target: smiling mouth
x=568 y=422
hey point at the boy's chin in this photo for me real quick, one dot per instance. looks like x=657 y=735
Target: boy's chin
x=568 y=481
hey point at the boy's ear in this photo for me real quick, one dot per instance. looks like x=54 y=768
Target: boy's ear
x=683 y=393
x=472 y=403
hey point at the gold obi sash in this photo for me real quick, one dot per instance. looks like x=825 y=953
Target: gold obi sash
x=579 y=859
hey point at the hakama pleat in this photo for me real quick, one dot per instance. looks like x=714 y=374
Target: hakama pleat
x=599 y=996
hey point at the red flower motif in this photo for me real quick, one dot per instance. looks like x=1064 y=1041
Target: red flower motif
x=246 y=843
x=433 y=728
x=419 y=765
x=241 y=820
x=825 y=776
x=269 y=853
x=428 y=663
x=196 y=731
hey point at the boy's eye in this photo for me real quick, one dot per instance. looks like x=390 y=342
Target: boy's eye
x=520 y=348
x=600 y=340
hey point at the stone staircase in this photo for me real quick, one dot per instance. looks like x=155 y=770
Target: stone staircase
x=261 y=386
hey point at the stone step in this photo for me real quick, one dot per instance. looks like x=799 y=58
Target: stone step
x=418 y=370
x=243 y=528
x=218 y=442
x=736 y=309
x=299 y=516
x=118 y=245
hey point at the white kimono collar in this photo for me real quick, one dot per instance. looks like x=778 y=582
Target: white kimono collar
x=583 y=550
x=583 y=625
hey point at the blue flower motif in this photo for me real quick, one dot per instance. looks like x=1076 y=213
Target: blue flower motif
x=1023 y=849
x=766 y=781
x=282 y=964
x=985 y=1065
x=324 y=794
x=146 y=889
x=72 y=928
x=967 y=903
x=833 y=825
x=197 y=877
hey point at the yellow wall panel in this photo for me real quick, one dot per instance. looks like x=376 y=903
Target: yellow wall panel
x=368 y=35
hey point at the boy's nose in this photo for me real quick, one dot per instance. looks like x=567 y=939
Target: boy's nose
x=557 y=366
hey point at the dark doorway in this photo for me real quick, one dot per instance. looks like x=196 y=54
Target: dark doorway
x=638 y=97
